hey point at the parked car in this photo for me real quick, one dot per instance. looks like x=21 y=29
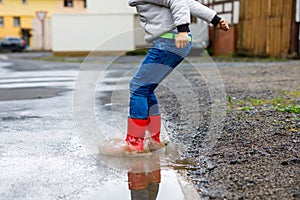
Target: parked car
x=12 y=44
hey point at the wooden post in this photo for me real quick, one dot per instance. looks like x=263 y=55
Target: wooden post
x=294 y=41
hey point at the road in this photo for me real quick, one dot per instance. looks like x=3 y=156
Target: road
x=47 y=150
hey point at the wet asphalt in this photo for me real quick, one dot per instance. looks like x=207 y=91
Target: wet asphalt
x=49 y=145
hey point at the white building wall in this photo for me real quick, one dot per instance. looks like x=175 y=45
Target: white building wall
x=88 y=32
x=37 y=38
x=107 y=26
x=109 y=7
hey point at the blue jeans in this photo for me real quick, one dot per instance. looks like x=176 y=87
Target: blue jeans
x=161 y=59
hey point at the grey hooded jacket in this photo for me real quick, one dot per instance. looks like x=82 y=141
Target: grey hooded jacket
x=160 y=16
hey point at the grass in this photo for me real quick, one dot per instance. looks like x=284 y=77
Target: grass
x=289 y=103
x=289 y=108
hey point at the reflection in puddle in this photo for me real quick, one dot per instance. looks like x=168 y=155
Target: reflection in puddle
x=118 y=188
x=143 y=178
x=145 y=185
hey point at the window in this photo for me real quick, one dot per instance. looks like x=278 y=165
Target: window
x=1 y=22
x=24 y=1
x=17 y=22
x=68 y=3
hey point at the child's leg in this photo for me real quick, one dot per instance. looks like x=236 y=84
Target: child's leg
x=157 y=65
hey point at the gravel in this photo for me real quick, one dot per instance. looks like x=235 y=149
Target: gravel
x=256 y=154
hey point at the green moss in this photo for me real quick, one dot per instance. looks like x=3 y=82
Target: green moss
x=288 y=108
x=288 y=103
x=245 y=108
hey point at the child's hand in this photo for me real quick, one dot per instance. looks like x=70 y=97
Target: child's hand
x=182 y=40
x=223 y=25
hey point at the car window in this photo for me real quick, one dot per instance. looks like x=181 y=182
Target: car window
x=11 y=40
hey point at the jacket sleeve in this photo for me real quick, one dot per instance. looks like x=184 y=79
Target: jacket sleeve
x=179 y=8
x=180 y=11
x=199 y=10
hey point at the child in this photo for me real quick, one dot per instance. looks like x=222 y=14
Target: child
x=166 y=25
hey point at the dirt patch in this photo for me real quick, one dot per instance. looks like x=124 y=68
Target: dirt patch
x=257 y=153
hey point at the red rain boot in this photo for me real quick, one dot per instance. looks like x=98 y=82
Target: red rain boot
x=154 y=125
x=136 y=129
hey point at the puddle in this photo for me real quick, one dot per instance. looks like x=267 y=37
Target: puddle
x=156 y=176
x=146 y=177
x=14 y=118
x=141 y=186
x=13 y=93
x=159 y=176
